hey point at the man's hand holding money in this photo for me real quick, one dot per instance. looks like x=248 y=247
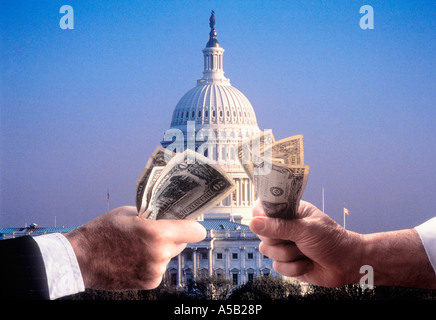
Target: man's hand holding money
x=312 y=247
x=120 y=250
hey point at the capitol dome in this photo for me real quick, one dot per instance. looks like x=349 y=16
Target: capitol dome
x=216 y=110
x=214 y=104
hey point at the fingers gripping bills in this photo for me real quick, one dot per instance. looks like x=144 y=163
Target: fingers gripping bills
x=185 y=185
x=278 y=172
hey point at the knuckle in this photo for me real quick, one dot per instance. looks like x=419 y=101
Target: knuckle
x=157 y=254
x=280 y=227
x=157 y=270
x=263 y=248
x=153 y=283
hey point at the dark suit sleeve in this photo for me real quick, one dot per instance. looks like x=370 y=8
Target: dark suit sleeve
x=22 y=271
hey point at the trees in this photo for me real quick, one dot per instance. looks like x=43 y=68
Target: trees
x=212 y=288
x=261 y=288
x=267 y=288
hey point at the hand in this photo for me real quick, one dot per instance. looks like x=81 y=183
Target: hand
x=312 y=248
x=121 y=251
x=315 y=249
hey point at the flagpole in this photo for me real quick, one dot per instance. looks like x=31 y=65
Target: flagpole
x=344 y=215
x=323 y=199
x=108 y=200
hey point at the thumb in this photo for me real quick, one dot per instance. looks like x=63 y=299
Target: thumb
x=276 y=228
x=258 y=208
x=181 y=231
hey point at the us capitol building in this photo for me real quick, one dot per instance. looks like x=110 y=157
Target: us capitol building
x=217 y=114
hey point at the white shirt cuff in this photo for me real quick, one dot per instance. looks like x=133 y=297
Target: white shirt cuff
x=62 y=269
x=427 y=233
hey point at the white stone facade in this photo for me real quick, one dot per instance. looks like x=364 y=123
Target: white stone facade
x=231 y=252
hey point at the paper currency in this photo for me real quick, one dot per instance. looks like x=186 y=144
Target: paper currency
x=281 y=187
x=280 y=191
x=144 y=183
x=289 y=150
x=252 y=147
x=186 y=187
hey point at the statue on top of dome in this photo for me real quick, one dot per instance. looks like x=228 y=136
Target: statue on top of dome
x=213 y=42
x=212 y=20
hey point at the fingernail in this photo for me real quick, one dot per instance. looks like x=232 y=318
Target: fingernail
x=258 y=224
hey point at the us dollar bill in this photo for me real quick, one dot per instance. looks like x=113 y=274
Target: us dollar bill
x=159 y=158
x=289 y=150
x=186 y=187
x=281 y=187
x=280 y=191
x=254 y=147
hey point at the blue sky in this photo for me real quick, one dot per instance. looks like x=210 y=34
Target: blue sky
x=82 y=109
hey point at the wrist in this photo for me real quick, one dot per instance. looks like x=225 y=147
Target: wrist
x=79 y=247
x=397 y=259
x=356 y=258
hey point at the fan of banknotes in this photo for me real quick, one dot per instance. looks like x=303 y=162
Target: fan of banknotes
x=277 y=170
x=180 y=186
x=185 y=185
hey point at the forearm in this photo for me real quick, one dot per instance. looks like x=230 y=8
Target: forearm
x=398 y=258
